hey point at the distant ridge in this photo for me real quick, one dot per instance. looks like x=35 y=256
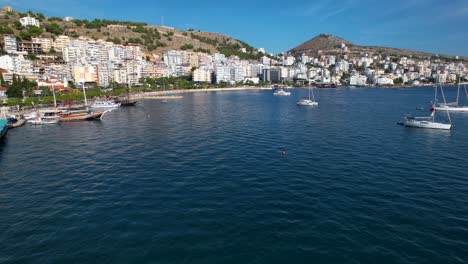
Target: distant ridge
x=322 y=42
x=326 y=44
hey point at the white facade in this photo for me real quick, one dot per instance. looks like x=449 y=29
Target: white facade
x=46 y=43
x=202 y=75
x=29 y=21
x=358 y=80
x=384 y=81
x=10 y=45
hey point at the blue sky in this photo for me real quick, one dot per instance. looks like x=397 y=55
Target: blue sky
x=427 y=25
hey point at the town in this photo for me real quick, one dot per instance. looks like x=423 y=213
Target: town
x=65 y=62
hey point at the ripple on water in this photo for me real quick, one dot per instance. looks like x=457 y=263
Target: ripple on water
x=204 y=180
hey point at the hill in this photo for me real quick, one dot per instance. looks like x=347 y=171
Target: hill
x=325 y=44
x=154 y=39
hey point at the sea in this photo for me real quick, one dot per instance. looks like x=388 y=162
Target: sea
x=240 y=177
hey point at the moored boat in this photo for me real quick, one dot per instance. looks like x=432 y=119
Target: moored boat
x=105 y=104
x=308 y=101
x=281 y=92
x=46 y=117
x=3 y=127
x=80 y=115
x=429 y=121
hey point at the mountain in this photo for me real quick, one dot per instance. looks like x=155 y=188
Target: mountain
x=154 y=39
x=325 y=44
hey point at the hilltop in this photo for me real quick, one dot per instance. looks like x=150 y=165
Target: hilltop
x=154 y=39
x=325 y=44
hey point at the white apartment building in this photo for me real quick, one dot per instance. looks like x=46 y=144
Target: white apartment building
x=61 y=42
x=10 y=45
x=358 y=80
x=202 y=75
x=384 y=81
x=29 y=21
x=46 y=43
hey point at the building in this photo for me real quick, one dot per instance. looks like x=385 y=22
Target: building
x=46 y=43
x=202 y=75
x=29 y=21
x=358 y=80
x=3 y=92
x=87 y=74
x=68 y=19
x=61 y=42
x=7 y=9
x=30 y=47
x=10 y=44
x=271 y=75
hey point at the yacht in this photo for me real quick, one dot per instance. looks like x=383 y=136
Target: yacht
x=45 y=117
x=452 y=106
x=308 y=101
x=105 y=104
x=281 y=92
x=428 y=121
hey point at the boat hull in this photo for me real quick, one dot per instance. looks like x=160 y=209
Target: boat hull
x=81 y=117
x=307 y=103
x=3 y=127
x=427 y=124
x=451 y=109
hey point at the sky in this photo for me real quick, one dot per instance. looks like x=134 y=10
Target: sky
x=426 y=25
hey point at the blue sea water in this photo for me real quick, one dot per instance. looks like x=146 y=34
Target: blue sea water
x=205 y=180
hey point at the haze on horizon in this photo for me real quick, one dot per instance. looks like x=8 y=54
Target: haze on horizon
x=423 y=25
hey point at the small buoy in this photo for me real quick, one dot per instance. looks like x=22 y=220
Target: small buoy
x=283 y=153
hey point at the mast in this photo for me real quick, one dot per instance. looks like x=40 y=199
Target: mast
x=458 y=91
x=84 y=94
x=53 y=93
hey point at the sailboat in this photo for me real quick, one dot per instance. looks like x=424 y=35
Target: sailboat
x=308 y=102
x=429 y=121
x=126 y=101
x=453 y=106
x=79 y=114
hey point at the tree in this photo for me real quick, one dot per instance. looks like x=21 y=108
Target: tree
x=15 y=91
x=2 y=80
x=54 y=28
x=398 y=81
x=17 y=25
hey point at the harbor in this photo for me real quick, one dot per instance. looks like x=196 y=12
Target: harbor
x=157 y=177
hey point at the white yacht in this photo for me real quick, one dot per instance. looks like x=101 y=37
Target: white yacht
x=429 y=121
x=105 y=104
x=452 y=106
x=281 y=92
x=45 y=117
x=308 y=101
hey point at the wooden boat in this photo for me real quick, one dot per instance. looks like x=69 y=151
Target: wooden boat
x=80 y=115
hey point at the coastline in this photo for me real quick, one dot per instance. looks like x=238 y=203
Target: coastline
x=151 y=95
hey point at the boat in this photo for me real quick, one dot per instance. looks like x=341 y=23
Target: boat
x=127 y=101
x=3 y=127
x=308 y=101
x=105 y=104
x=14 y=122
x=67 y=115
x=46 y=117
x=82 y=113
x=428 y=121
x=3 y=123
x=453 y=106
x=281 y=92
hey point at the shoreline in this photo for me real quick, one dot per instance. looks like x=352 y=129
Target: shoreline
x=161 y=94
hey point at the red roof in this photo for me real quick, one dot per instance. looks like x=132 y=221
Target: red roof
x=3 y=89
